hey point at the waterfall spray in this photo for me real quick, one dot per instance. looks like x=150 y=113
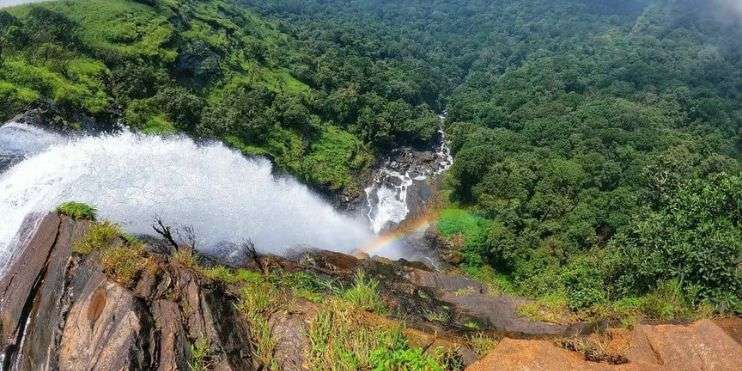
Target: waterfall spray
x=132 y=179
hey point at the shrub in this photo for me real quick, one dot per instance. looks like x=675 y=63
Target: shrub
x=550 y=308
x=583 y=282
x=459 y=223
x=77 y=210
x=403 y=358
x=667 y=302
x=99 y=236
x=187 y=258
x=694 y=239
x=334 y=157
x=481 y=343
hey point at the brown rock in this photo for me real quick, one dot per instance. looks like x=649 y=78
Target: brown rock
x=22 y=278
x=498 y=312
x=34 y=288
x=173 y=343
x=732 y=326
x=104 y=331
x=513 y=354
x=700 y=346
x=290 y=331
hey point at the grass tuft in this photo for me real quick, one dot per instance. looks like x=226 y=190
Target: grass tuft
x=258 y=300
x=199 y=355
x=77 y=210
x=124 y=263
x=364 y=293
x=344 y=338
x=99 y=236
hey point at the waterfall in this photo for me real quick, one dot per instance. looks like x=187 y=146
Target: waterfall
x=386 y=197
x=132 y=179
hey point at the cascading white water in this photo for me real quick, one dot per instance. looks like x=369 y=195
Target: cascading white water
x=17 y=139
x=387 y=197
x=224 y=196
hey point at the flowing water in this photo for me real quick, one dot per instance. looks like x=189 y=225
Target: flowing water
x=222 y=195
x=387 y=196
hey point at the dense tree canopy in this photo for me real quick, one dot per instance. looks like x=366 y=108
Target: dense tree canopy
x=597 y=142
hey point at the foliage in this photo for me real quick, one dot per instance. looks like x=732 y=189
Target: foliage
x=694 y=238
x=188 y=258
x=256 y=302
x=216 y=70
x=333 y=158
x=403 y=358
x=342 y=338
x=98 y=237
x=77 y=210
x=199 y=355
x=550 y=308
x=481 y=343
x=124 y=263
x=467 y=230
x=585 y=167
x=364 y=293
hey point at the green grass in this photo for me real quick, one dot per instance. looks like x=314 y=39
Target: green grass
x=466 y=231
x=454 y=221
x=126 y=29
x=158 y=125
x=481 y=343
x=98 y=237
x=342 y=338
x=77 y=82
x=124 y=263
x=364 y=294
x=257 y=301
x=188 y=258
x=551 y=308
x=199 y=355
x=77 y=210
x=496 y=282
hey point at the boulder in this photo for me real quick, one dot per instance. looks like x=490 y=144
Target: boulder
x=105 y=330
x=290 y=331
x=542 y=355
x=699 y=346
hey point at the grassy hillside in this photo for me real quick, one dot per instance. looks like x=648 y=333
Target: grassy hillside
x=212 y=69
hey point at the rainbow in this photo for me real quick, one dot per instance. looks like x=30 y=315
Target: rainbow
x=417 y=225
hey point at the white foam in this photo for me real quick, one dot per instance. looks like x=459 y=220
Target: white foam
x=131 y=179
x=17 y=139
x=386 y=197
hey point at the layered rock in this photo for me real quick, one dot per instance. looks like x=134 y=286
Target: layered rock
x=60 y=311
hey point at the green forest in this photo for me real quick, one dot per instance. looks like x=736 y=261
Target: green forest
x=596 y=143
